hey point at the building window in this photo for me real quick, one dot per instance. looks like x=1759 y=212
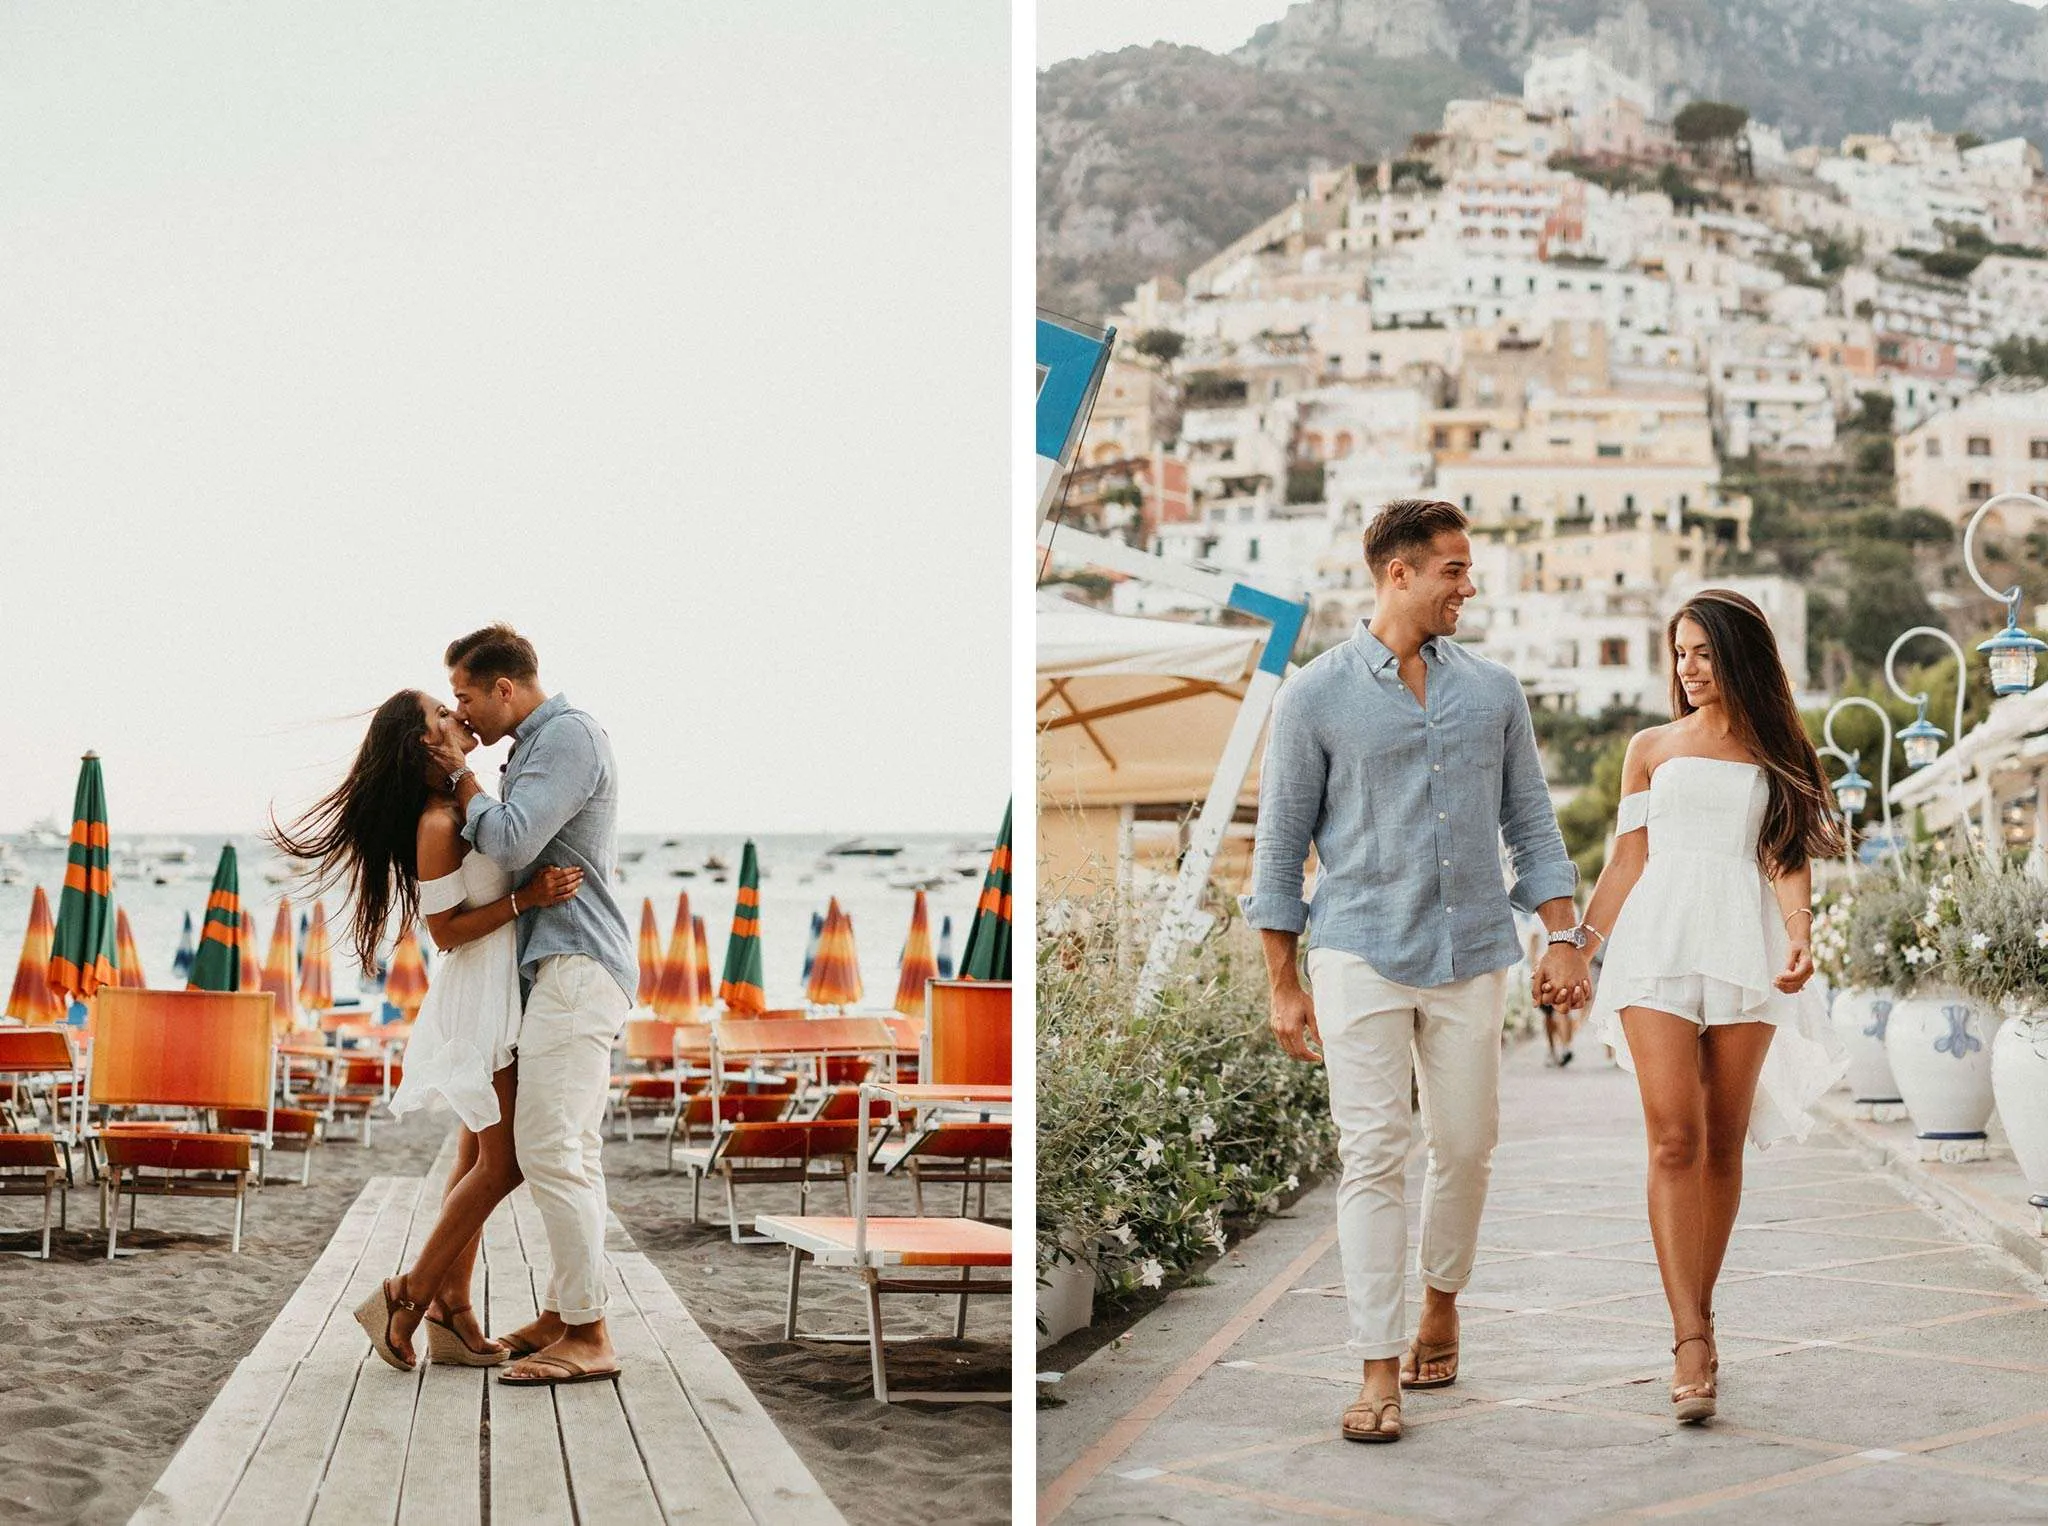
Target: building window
x=1439 y=439
x=1609 y=451
x=1979 y=445
x=2037 y=450
x=1514 y=503
x=1933 y=445
x=1251 y=549
x=1628 y=503
x=1614 y=649
x=1579 y=503
x=1980 y=490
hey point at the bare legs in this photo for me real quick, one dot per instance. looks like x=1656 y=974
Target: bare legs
x=485 y=1173
x=1697 y=1086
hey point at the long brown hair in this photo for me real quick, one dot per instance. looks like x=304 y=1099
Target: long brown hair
x=1799 y=824
x=365 y=831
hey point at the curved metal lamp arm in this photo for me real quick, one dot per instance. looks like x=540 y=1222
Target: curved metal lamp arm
x=1848 y=761
x=2010 y=597
x=1962 y=669
x=1827 y=727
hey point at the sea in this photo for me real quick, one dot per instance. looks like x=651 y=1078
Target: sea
x=800 y=875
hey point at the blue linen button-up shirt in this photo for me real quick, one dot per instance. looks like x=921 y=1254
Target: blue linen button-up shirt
x=1407 y=805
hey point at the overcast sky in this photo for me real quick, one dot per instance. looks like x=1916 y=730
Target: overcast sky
x=674 y=334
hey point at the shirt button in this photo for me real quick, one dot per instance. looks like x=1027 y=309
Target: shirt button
x=1447 y=911
x=1436 y=768
x=1439 y=815
x=1447 y=863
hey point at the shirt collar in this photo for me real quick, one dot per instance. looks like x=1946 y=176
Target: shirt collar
x=1379 y=656
x=544 y=712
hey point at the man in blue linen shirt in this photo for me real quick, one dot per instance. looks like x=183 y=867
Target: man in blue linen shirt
x=1405 y=760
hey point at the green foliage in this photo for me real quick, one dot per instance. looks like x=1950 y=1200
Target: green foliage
x=1305 y=482
x=2020 y=357
x=1706 y=122
x=1161 y=344
x=1877 y=925
x=1685 y=196
x=1996 y=946
x=1965 y=141
x=1409 y=173
x=1949 y=264
x=1834 y=254
x=1884 y=599
x=1794 y=269
x=1588 y=817
x=1573 y=743
x=1874 y=457
x=1874 y=411
x=1128 y=494
x=1213 y=389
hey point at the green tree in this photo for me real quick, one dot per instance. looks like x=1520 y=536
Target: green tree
x=2020 y=357
x=1163 y=345
x=1587 y=818
x=1884 y=599
x=1874 y=411
x=1874 y=457
x=1701 y=124
x=1305 y=482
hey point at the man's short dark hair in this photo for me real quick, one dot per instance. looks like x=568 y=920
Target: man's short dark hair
x=1405 y=528
x=495 y=652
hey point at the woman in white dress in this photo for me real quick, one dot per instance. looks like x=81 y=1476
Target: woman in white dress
x=1705 y=905
x=390 y=833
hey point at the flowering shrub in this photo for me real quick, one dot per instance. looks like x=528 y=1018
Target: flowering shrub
x=1153 y=1128
x=1995 y=946
x=1883 y=945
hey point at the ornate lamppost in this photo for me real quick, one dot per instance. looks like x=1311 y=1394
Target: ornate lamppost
x=2012 y=653
x=1852 y=790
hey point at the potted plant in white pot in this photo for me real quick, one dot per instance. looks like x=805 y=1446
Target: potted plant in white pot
x=2000 y=951
x=1857 y=934
x=1938 y=1038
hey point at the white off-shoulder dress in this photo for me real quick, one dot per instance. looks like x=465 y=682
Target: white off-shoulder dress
x=1701 y=936
x=468 y=1026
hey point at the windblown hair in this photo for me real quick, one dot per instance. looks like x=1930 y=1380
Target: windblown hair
x=364 y=833
x=1405 y=528
x=496 y=651
x=1799 y=823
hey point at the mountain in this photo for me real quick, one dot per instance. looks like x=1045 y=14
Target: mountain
x=1150 y=159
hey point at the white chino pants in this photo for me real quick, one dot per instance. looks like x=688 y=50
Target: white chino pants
x=573 y=1013
x=1377 y=1035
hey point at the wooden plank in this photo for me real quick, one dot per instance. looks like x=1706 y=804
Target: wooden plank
x=443 y=1483
x=200 y=1478
x=283 y=1478
x=529 y=1480
x=772 y=1479
x=607 y=1474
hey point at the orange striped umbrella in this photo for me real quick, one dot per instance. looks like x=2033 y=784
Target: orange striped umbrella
x=741 y=985
x=82 y=947
x=127 y=957
x=316 y=966
x=32 y=1000
x=249 y=967
x=405 y=984
x=919 y=963
x=707 y=987
x=216 y=966
x=835 y=973
x=277 y=969
x=675 y=994
x=650 y=953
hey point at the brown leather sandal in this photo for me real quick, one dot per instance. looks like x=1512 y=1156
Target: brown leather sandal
x=375 y=1314
x=1366 y=1419
x=447 y=1345
x=1692 y=1402
x=1419 y=1356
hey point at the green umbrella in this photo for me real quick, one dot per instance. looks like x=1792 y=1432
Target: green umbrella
x=82 y=951
x=740 y=986
x=218 y=964
x=987 y=955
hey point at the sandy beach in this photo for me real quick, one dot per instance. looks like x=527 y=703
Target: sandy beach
x=114 y=1364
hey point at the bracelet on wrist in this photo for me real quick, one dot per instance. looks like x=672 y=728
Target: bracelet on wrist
x=513 y=897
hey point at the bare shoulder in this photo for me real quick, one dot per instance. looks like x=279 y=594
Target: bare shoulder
x=1653 y=744
x=439 y=843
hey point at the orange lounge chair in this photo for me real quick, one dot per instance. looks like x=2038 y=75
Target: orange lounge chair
x=288 y=1128
x=46 y=1077
x=946 y=1151
x=742 y=1154
x=168 y=1163
x=33 y=1165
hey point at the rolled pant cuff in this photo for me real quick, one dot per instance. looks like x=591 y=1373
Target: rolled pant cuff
x=1377 y=1351
x=1446 y=1284
x=581 y=1316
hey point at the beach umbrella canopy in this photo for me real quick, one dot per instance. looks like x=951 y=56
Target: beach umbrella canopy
x=945 y=948
x=278 y=975
x=742 y=988
x=127 y=957
x=405 y=984
x=919 y=964
x=250 y=966
x=987 y=955
x=675 y=994
x=835 y=973
x=217 y=966
x=707 y=983
x=181 y=962
x=650 y=953
x=811 y=944
x=82 y=948
x=316 y=966
x=32 y=1000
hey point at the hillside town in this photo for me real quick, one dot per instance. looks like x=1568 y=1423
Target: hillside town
x=1597 y=332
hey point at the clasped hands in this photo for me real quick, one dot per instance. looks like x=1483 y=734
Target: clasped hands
x=1563 y=979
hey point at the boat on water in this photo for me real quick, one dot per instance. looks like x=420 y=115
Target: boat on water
x=863 y=847
x=714 y=864
x=46 y=835
x=684 y=873
x=917 y=879
x=166 y=850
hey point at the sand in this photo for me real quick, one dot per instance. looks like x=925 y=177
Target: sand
x=112 y=1365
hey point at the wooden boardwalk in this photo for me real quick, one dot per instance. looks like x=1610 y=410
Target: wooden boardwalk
x=313 y=1427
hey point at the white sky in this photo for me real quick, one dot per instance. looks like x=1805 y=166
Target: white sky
x=675 y=335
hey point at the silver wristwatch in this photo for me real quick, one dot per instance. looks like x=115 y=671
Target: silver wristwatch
x=1578 y=937
x=455 y=779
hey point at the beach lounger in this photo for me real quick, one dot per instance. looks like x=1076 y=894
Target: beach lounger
x=753 y=1154
x=358 y=1086
x=34 y=1165
x=43 y=1079
x=949 y=1152
x=282 y=1128
x=172 y=1163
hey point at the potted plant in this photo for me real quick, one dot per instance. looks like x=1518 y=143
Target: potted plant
x=1856 y=938
x=1938 y=1037
x=2000 y=950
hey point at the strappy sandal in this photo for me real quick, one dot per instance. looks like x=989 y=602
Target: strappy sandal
x=447 y=1345
x=1420 y=1356
x=1366 y=1419
x=375 y=1314
x=1692 y=1402
x=1713 y=1345
x=571 y=1372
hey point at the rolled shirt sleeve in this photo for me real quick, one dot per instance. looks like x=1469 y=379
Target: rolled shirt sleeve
x=554 y=781
x=1543 y=870
x=1290 y=805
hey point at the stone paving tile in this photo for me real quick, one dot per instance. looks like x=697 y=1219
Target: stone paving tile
x=1885 y=1493
x=2014 y=1334
x=1791 y=1249
x=1808 y=1308
x=2020 y=1451
x=1563 y=1231
x=1968 y=1268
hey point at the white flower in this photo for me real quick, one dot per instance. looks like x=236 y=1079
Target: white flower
x=2041 y=936
x=1880 y=947
x=1205 y=1127
x=1151 y=1274
x=1151 y=1153
x=1180 y=1094
x=1293 y=1181
x=1979 y=942
x=1122 y=1233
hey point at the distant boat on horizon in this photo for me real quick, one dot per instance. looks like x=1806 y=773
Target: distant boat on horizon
x=863 y=847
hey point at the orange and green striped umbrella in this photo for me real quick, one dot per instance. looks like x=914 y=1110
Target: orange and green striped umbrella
x=245 y=953
x=675 y=994
x=127 y=957
x=742 y=988
x=219 y=964
x=405 y=983
x=277 y=977
x=707 y=983
x=987 y=955
x=919 y=963
x=835 y=973
x=32 y=1000
x=82 y=948
x=316 y=966
x=650 y=953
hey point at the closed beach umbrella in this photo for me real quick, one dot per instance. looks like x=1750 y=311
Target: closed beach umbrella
x=650 y=953
x=742 y=988
x=316 y=966
x=675 y=994
x=987 y=955
x=811 y=944
x=945 y=948
x=278 y=975
x=919 y=965
x=181 y=962
x=246 y=944
x=835 y=973
x=405 y=983
x=707 y=983
x=32 y=1000
x=217 y=966
x=127 y=957
x=82 y=947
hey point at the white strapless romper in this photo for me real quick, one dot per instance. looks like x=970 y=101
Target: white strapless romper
x=1701 y=936
x=468 y=1026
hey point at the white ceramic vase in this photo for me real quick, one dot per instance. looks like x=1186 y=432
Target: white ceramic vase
x=2019 y=1081
x=1939 y=1045
x=1860 y=1019
x=1066 y=1296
